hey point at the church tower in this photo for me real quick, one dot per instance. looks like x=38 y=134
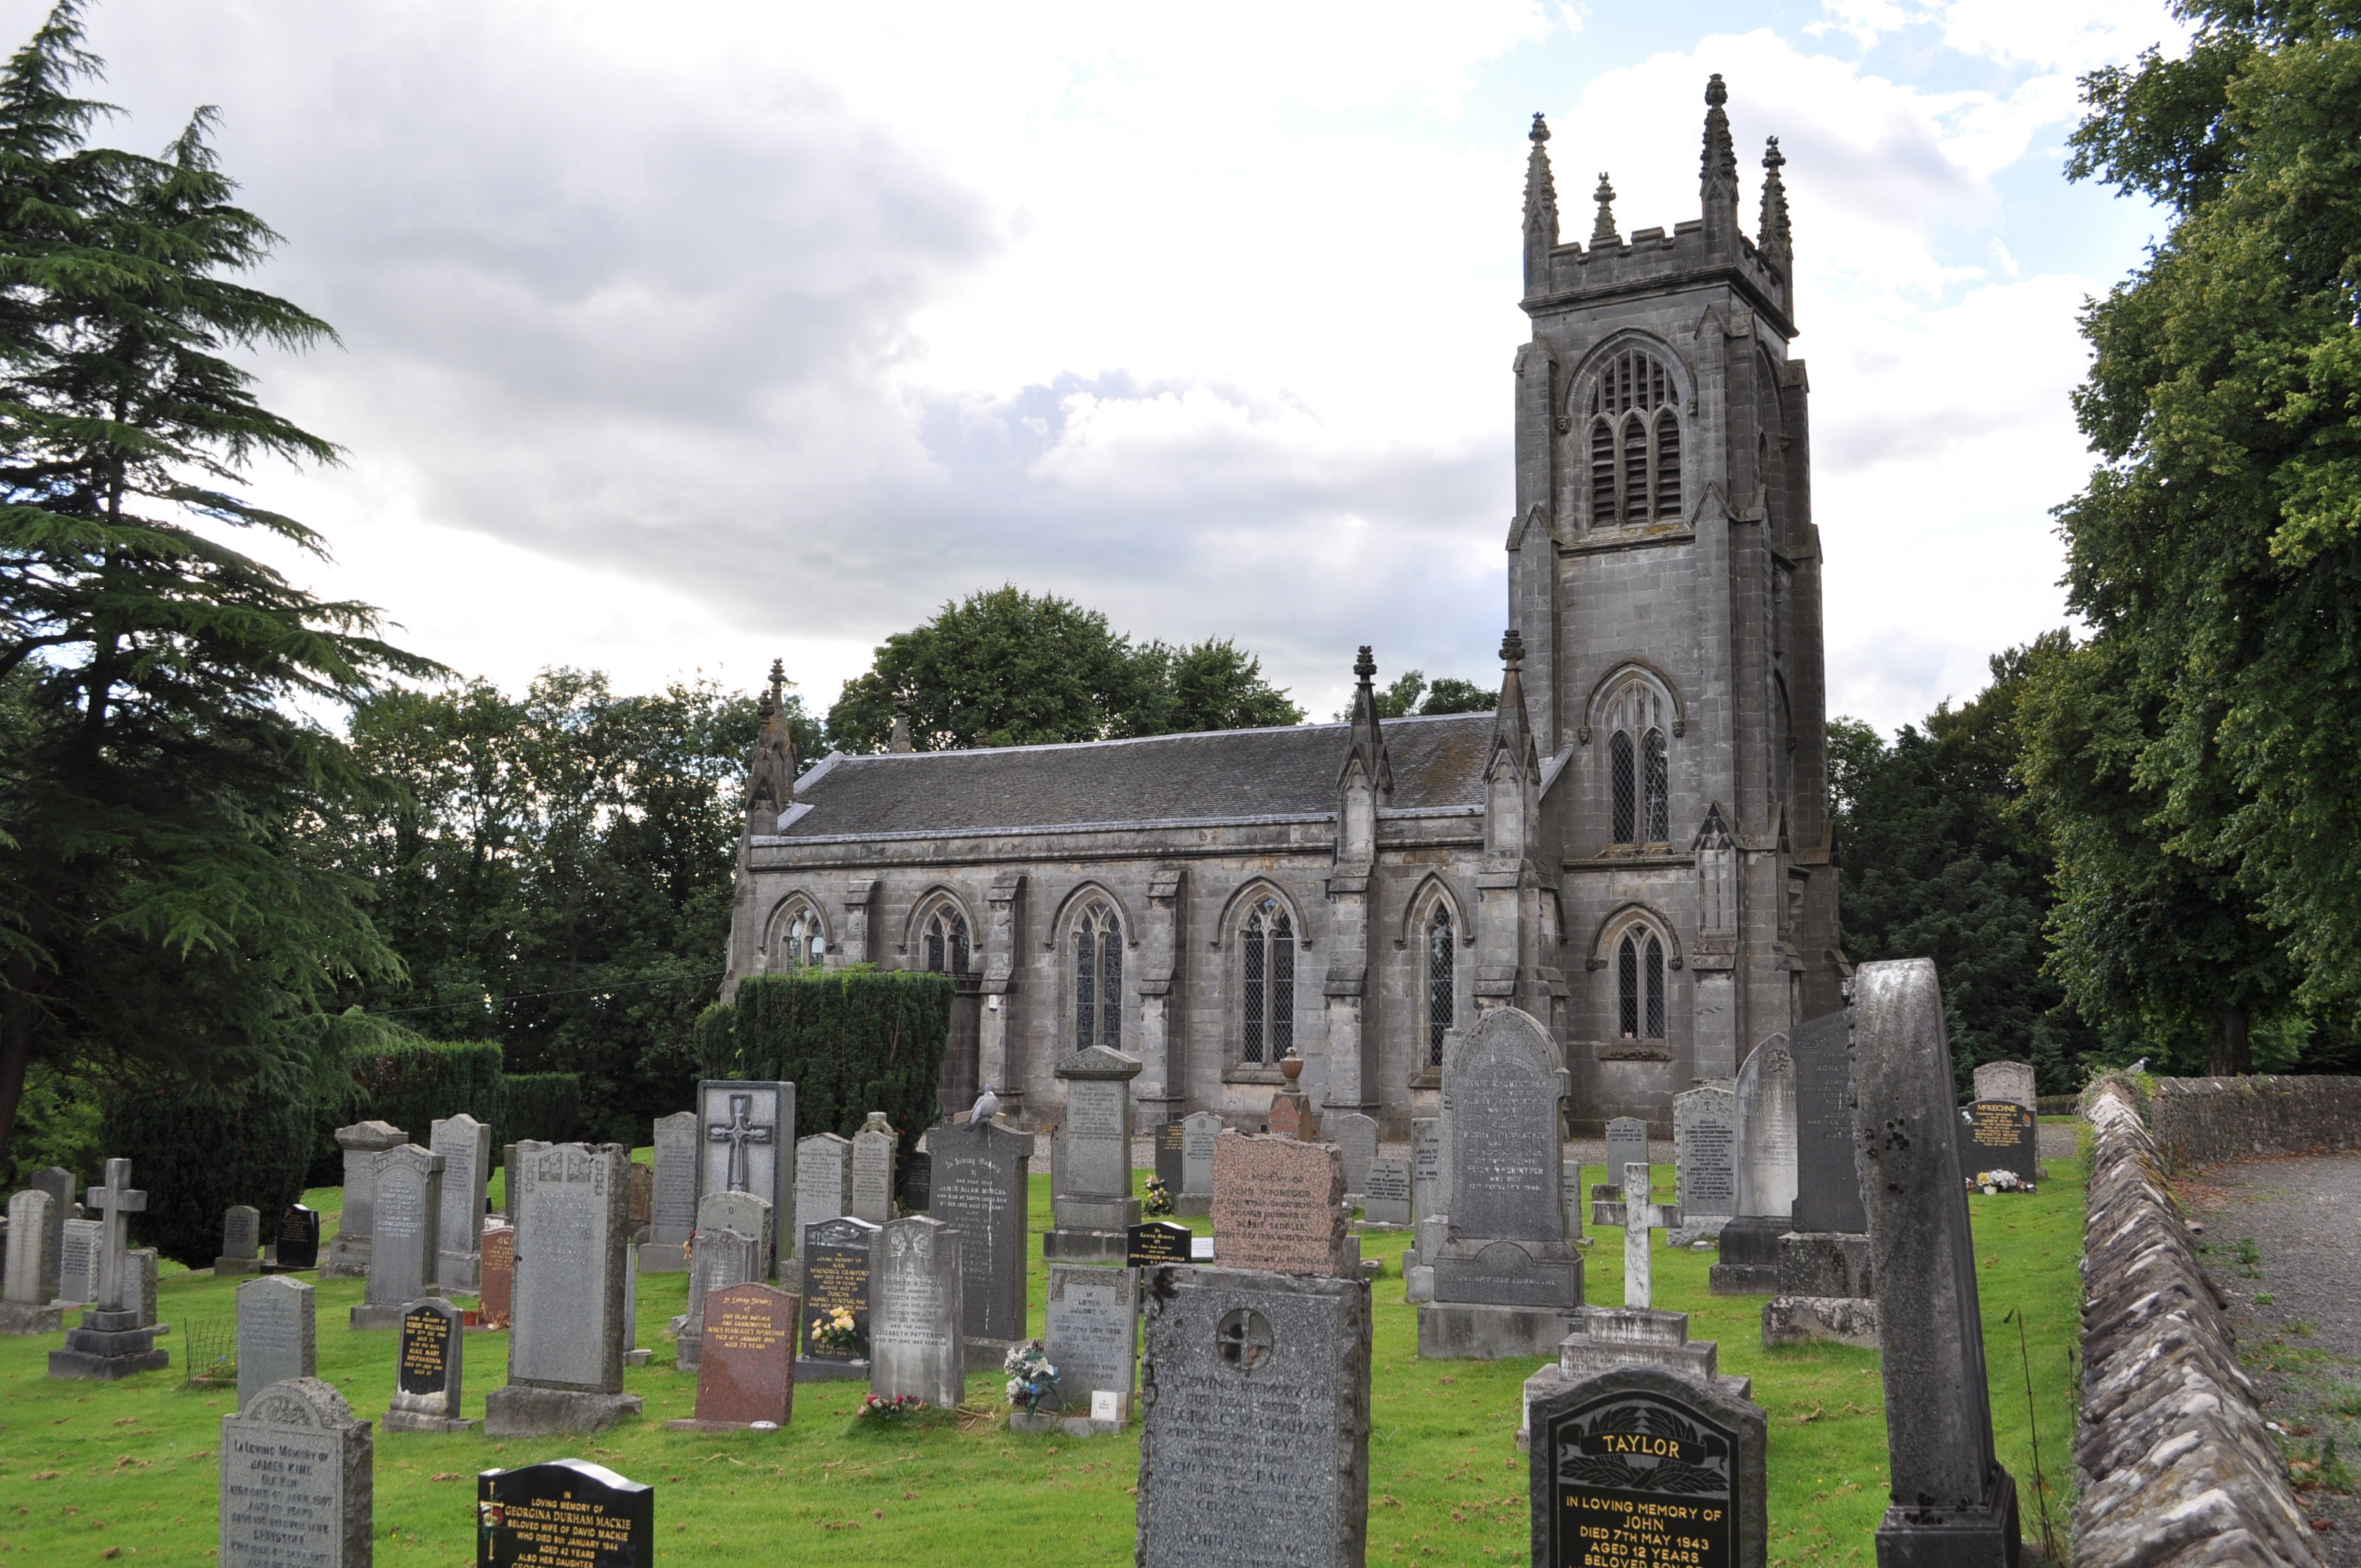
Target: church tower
x=1664 y=588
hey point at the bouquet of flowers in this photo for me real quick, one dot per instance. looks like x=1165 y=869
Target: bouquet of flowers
x=1031 y=1379
x=901 y=1406
x=836 y=1333
x=1992 y=1181
x=1159 y=1203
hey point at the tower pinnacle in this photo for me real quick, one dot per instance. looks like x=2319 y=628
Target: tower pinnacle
x=1603 y=230
x=1717 y=170
x=1775 y=241
x=1541 y=211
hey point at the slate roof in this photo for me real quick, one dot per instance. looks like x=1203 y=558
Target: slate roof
x=1222 y=775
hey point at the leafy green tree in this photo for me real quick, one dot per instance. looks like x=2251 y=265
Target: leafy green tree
x=1008 y=668
x=2195 y=758
x=165 y=907
x=1409 y=694
x=1940 y=858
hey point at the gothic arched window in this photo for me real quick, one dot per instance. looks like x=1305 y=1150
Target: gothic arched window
x=1267 y=952
x=1098 y=978
x=1639 y=763
x=944 y=945
x=1442 y=972
x=1640 y=984
x=803 y=940
x=1635 y=441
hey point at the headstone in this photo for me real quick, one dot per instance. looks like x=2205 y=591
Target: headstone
x=1952 y=1500
x=740 y=1212
x=142 y=1263
x=1627 y=1144
x=298 y=1246
x=64 y=1200
x=1642 y=1465
x=405 y=1249
x=1158 y=1241
x=28 y=1299
x=1198 y=1132
x=981 y=1191
x=1171 y=1138
x=718 y=1258
x=914 y=1184
x=349 y=1250
x=1254 y=1445
x=632 y=1355
x=566 y=1361
x=297 y=1474
x=823 y=1178
x=1089 y=1179
x=278 y=1334
x=508 y=1182
x=1291 y=1115
x=839 y=1258
x=465 y=1146
x=1703 y=1162
x=1640 y=1217
x=639 y=1202
x=1279 y=1204
x=746 y=1373
x=2006 y=1080
x=870 y=1196
x=564 y=1511
x=1384 y=1192
x=241 y=1249
x=1355 y=1137
x=111 y=1341
x=1093 y=1335
x=1827 y=1142
x=1505 y=1274
x=428 y=1364
x=749 y=1147
x=1425 y=1167
x=496 y=1302
x=78 y=1263
x=915 y=1340
x=1765 y=1125
x=1997 y=1136
x=675 y=1212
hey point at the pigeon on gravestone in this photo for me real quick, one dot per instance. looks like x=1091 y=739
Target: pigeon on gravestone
x=986 y=1106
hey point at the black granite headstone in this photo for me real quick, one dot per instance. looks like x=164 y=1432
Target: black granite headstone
x=1155 y=1242
x=1168 y=1155
x=422 y=1366
x=297 y=1246
x=1997 y=1135
x=565 y=1511
x=837 y=1258
x=1639 y=1466
x=1827 y=1168
x=914 y=1184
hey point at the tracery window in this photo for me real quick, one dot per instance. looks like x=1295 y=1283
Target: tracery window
x=805 y=942
x=1267 y=952
x=1442 y=974
x=1639 y=764
x=1635 y=442
x=944 y=945
x=1640 y=984
x=1098 y=978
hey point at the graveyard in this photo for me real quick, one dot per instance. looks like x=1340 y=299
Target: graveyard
x=126 y=1471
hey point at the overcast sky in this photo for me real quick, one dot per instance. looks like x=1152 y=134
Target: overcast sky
x=681 y=335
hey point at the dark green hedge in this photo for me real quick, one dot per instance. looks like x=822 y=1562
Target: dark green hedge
x=546 y=1106
x=194 y=1163
x=851 y=1041
x=412 y=1085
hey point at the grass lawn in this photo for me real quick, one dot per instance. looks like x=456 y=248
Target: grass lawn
x=125 y=1472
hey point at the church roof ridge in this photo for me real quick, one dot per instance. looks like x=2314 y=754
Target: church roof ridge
x=1145 y=739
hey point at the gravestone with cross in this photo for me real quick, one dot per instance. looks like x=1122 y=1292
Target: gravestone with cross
x=111 y=1342
x=1640 y=1218
x=747 y=1144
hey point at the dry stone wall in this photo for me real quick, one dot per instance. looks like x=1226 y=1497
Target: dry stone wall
x=2176 y=1466
x=2198 y=1122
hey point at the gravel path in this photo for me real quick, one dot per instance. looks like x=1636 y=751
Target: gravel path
x=2283 y=1241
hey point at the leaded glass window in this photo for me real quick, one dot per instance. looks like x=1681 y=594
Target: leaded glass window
x=1442 y=992
x=1640 y=986
x=946 y=941
x=1618 y=754
x=1267 y=953
x=1098 y=979
x=1639 y=764
x=805 y=942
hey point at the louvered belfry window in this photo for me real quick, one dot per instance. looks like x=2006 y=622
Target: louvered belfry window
x=1635 y=442
x=1098 y=979
x=1442 y=994
x=1267 y=949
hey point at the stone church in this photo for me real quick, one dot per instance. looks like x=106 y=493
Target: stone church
x=1634 y=848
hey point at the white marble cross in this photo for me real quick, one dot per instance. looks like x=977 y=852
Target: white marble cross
x=116 y=1201
x=1640 y=1217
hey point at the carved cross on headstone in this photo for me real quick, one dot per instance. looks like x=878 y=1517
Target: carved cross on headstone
x=1640 y=1217
x=738 y=1132
x=1244 y=1337
x=116 y=1201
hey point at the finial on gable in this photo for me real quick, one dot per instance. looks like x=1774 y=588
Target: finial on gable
x=1367 y=748
x=1364 y=668
x=1539 y=133
x=771 y=771
x=1775 y=241
x=899 y=739
x=1512 y=648
x=1603 y=230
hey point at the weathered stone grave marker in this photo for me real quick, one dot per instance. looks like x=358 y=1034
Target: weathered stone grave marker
x=914 y=1313
x=565 y=1360
x=29 y=1300
x=1171 y=1138
x=1384 y=1192
x=870 y=1196
x=2006 y=1080
x=1093 y=1337
x=405 y=1250
x=1642 y=1465
x=1195 y=1195
x=564 y=1511
x=745 y=1375
x=981 y=1191
x=1261 y=1375
x=429 y=1365
x=1705 y=1124
x=840 y=1257
x=1627 y=1144
x=65 y=1199
x=750 y=1133
x=1355 y=1137
x=496 y=1300
x=674 y=1211
x=823 y=1178
x=78 y=1263
x=913 y=1183
x=1279 y=1204
x=1089 y=1189
x=349 y=1249
x=278 y=1334
x=1765 y=1105
x=720 y=1256
x=1826 y=1287
x=241 y=1249
x=740 y=1212
x=465 y=1146
x=297 y=1480
x=1425 y=1167
x=112 y=1341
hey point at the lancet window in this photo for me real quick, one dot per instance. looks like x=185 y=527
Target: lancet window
x=1098 y=978
x=803 y=940
x=1267 y=957
x=1639 y=764
x=944 y=944
x=1640 y=984
x=1441 y=976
